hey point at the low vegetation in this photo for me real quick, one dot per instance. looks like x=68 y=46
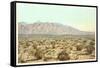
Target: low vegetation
x=44 y=49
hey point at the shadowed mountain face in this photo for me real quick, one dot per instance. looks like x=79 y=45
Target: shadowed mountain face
x=49 y=28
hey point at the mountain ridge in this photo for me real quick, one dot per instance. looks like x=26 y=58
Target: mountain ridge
x=49 y=28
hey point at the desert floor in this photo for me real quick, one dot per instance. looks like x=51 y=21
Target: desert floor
x=34 y=49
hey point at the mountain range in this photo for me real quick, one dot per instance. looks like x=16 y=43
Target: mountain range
x=49 y=28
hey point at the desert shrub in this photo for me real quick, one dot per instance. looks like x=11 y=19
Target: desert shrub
x=29 y=43
x=20 y=60
x=92 y=43
x=31 y=50
x=84 y=41
x=24 y=46
x=38 y=54
x=89 y=48
x=40 y=42
x=93 y=53
x=93 y=39
x=53 y=44
x=63 y=56
x=79 y=47
x=49 y=55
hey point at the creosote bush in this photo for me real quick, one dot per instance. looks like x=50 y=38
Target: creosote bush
x=63 y=56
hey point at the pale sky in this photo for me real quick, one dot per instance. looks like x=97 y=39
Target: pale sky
x=82 y=18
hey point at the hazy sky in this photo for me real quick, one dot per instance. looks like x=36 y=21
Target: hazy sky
x=82 y=18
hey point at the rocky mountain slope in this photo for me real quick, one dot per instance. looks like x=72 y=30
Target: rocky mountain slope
x=49 y=28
